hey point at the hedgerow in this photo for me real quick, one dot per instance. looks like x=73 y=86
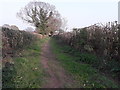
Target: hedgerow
x=14 y=40
x=100 y=40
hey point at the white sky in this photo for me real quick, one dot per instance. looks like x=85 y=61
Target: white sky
x=79 y=13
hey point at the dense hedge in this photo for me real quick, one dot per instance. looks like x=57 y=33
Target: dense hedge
x=13 y=40
x=100 y=40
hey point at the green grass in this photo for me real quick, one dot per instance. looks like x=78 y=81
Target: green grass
x=26 y=71
x=85 y=75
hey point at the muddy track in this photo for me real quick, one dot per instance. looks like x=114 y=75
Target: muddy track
x=56 y=76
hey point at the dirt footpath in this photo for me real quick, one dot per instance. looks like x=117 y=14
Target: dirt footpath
x=56 y=76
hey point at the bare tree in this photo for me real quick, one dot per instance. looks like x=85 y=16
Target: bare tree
x=54 y=24
x=63 y=26
x=41 y=15
x=64 y=23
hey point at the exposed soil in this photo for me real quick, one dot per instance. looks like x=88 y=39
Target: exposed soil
x=56 y=76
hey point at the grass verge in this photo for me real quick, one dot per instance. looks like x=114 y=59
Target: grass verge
x=84 y=74
x=26 y=72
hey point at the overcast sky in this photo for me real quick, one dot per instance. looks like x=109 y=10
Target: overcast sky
x=79 y=13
